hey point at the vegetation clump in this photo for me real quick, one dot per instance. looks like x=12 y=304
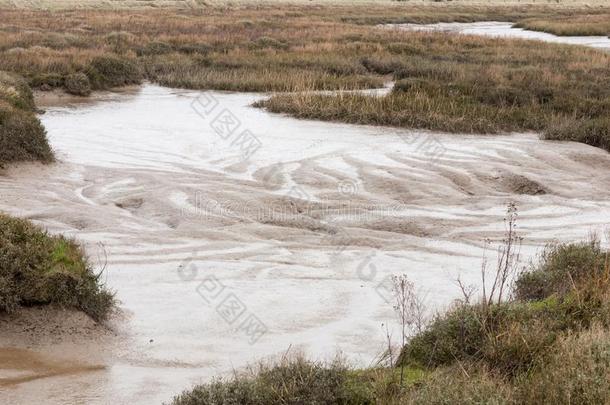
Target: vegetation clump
x=561 y=269
x=39 y=269
x=550 y=340
x=291 y=381
x=155 y=48
x=579 y=25
x=110 y=71
x=78 y=84
x=22 y=136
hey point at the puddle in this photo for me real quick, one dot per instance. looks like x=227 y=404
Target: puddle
x=505 y=29
x=20 y=366
x=188 y=227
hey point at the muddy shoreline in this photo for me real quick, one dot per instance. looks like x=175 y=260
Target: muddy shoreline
x=165 y=203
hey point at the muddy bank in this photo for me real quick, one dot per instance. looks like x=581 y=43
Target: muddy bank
x=40 y=345
x=299 y=231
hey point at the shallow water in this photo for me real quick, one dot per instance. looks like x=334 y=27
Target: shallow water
x=505 y=29
x=304 y=232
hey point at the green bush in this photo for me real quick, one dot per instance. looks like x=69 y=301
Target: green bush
x=381 y=66
x=592 y=131
x=566 y=291
x=576 y=371
x=458 y=334
x=295 y=381
x=108 y=71
x=509 y=337
x=190 y=49
x=561 y=268
x=120 y=41
x=39 y=269
x=466 y=383
x=523 y=334
x=22 y=137
x=415 y=84
x=78 y=84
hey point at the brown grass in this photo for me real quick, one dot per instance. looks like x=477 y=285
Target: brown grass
x=247 y=47
x=457 y=84
x=449 y=83
x=579 y=25
x=477 y=85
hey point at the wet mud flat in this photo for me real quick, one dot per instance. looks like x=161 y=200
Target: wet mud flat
x=231 y=234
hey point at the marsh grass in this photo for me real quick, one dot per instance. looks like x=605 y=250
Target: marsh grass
x=292 y=46
x=444 y=82
x=476 y=85
x=296 y=380
x=22 y=136
x=583 y=25
x=289 y=381
x=39 y=269
x=547 y=343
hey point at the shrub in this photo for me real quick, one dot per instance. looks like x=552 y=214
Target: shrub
x=429 y=68
x=466 y=383
x=292 y=381
x=560 y=269
x=515 y=344
x=78 y=84
x=595 y=132
x=109 y=71
x=120 y=41
x=576 y=371
x=508 y=337
x=47 y=81
x=458 y=334
x=39 y=269
x=414 y=84
x=155 y=48
x=202 y=49
x=22 y=137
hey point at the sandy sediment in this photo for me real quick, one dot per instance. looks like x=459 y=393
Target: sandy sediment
x=303 y=233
